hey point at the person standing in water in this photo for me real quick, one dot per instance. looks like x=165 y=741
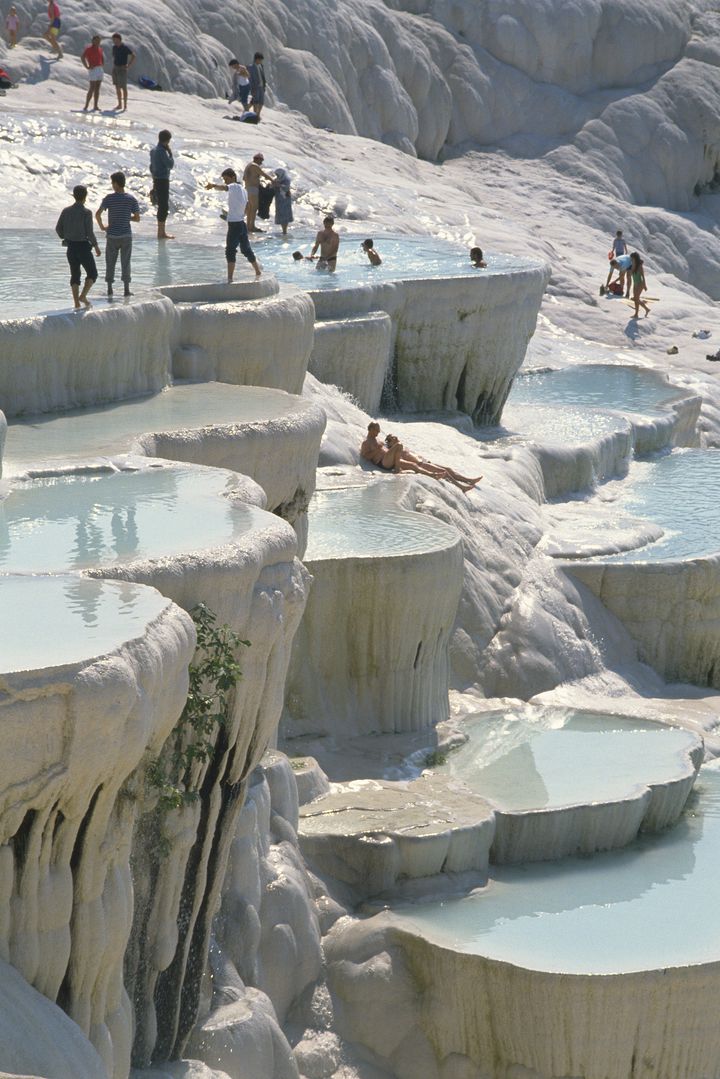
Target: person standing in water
x=476 y=258
x=328 y=241
x=283 y=199
x=251 y=179
x=122 y=208
x=75 y=229
x=237 y=232
x=637 y=276
x=161 y=164
x=93 y=60
x=53 y=31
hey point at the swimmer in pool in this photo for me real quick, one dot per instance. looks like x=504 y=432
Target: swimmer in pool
x=392 y=456
x=476 y=257
x=373 y=257
x=328 y=241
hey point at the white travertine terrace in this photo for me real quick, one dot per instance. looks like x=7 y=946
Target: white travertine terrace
x=355 y=354
x=83 y=358
x=93 y=680
x=458 y=341
x=370 y=835
x=251 y=581
x=256 y=342
x=371 y=651
x=266 y=434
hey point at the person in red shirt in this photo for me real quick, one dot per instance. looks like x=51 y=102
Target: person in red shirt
x=53 y=31
x=93 y=60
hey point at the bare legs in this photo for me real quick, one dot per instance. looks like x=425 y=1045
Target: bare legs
x=80 y=298
x=639 y=303
x=397 y=458
x=93 y=95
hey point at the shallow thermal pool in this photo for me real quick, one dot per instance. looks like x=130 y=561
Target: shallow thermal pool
x=364 y=522
x=568 y=426
x=172 y=263
x=597 y=385
x=52 y=621
x=551 y=757
x=80 y=520
x=38 y=441
x=648 y=906
x=680 y=493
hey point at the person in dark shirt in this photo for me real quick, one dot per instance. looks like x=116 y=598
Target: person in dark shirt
x=161 y=163
x=75 y=229
x=121 y=210
x=123 y=59
x=256 y=73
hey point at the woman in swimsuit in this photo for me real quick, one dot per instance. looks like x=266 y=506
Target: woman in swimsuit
x=637 y=276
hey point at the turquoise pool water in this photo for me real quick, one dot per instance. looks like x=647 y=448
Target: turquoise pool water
x=24 y=292
x=627 y=389
x=680 y=493
x=551 y=758
x=571 y=425
x=39 y=441
x=78 y=521
x=648 y=906
x=52 y=621
x=365 y=521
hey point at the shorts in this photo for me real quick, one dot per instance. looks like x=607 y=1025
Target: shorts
x=79 y=255
x=258 y=98
x=120 y=77
x=55 y=28
x=95 y=74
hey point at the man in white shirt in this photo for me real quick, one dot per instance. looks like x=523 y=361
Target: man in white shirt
x=237 y=233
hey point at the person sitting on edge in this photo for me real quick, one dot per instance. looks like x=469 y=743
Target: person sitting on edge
x=393 y=457
x=75 y=229
x=328 y=241
x=373 y=257
x=476 y=257
x=237 y=232
x=621 y=264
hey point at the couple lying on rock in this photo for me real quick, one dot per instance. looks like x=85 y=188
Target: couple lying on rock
x=392 y=455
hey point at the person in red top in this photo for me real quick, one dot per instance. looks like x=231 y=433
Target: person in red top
x=93 y=60
x=53 y=31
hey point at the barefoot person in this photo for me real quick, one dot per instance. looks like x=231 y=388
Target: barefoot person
x=161 y=164
x=123 y=59
x=258 y=82
x=328 y=241
x=237 y=233
x=637 y=277
x=93 y=60
x=621 y=266
x=251 y=180
x=75 y=229
x=53 y=31
x=122 y=208
x=393 y=456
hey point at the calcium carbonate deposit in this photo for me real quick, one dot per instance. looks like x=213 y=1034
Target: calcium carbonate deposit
x=402 y=765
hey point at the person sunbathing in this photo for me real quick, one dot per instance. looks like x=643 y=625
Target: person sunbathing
x=393 y=456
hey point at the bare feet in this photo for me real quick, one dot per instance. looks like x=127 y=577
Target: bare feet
x=165 y=236
x=257 y=267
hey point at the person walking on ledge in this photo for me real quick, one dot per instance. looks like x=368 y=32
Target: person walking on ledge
x=237 y=233
x=122 y=208
x=161 y=163
x=75 y=229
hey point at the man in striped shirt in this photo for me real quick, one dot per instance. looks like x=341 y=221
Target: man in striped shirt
x=121 y=210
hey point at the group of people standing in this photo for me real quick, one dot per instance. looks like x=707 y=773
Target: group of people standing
x=630 y=274
x=93 y=60
x=248 y=87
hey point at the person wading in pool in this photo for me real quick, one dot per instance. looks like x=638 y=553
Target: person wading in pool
x=328 y=241
x=122 y=208
x=393 y=456
x=251 y=179
x=237 y=233
x=75 y=229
